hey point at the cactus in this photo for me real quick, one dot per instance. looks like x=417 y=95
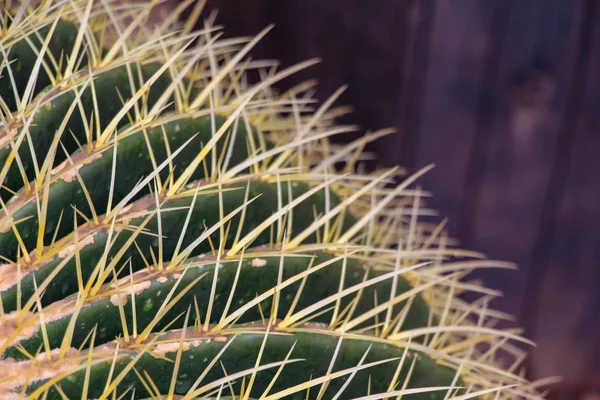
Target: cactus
x=169 y=230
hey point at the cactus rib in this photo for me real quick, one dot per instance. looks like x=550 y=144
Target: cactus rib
x=17 y=63
x=320 y=272
x=141 y=221
x=305 y=352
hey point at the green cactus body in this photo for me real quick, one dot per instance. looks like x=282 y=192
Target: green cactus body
x=82 y=180
x=310 y=343
x=23 y=54
x=257 y=274
x=203 y=210
x=112 y=86
x=170 y=230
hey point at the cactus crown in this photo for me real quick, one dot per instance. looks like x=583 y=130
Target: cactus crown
x=169 y=229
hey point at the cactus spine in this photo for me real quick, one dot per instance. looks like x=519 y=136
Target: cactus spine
x=168 y=230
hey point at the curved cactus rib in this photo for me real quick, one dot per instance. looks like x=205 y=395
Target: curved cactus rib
x=77 y=170
x=140 y=300
x=135 y=156
x=110 y=86
x=167 y=228
x=17 y=62
x=305 y=354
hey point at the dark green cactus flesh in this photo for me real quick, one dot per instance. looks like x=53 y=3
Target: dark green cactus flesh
x=255 y=276
x=311 y=344
x=112 y=86
x=170 y=231
x=136 y=157
x=23 y=54
x=203 y=210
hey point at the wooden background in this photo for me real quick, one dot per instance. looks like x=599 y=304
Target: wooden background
x=504 y=96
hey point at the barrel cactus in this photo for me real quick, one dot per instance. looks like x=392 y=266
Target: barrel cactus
x=174 y=227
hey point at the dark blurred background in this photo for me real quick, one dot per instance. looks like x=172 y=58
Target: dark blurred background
x=504 y=97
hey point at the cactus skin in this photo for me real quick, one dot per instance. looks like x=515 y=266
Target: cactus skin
x=204 y=206
x=22 y=57
x=111 y=86
x=307 y=342
x=94 y=174
x=163 y=221
x=254 y=277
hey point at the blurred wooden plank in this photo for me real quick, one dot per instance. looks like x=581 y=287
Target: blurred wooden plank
x=510 y=170
x=421 y=19
x=565 y=274
x=517 y=173
x=457 y=51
